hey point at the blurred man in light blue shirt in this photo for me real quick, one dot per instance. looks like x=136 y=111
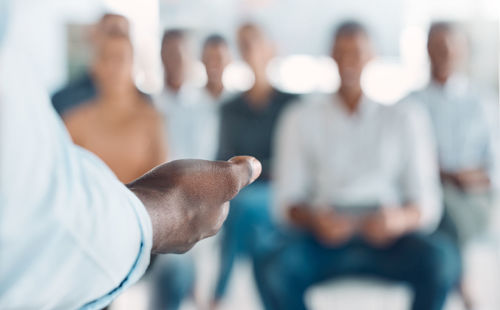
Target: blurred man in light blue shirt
x=466 y=129
x=71 y=235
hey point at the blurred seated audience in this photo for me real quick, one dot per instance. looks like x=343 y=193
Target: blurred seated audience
x=83 y=89
x=176 y=278
x=466 y=129
x=247 y=127
x=357 y=188
x=120 y=125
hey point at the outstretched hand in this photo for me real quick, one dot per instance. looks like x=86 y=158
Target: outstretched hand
x=187 y=200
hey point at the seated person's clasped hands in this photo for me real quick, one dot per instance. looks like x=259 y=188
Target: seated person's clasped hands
x=379 y=227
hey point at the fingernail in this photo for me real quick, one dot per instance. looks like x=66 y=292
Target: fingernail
x=256 y=169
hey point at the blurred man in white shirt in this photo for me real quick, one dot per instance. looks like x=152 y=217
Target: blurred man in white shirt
x=357 y=184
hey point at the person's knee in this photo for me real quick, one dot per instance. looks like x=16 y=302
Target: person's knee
x=281 y=270
x=178 y=277
x=273 y=272
x=439 y=264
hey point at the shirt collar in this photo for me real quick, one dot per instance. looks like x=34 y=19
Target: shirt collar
x=365 y=108
x=456 y=84
x=167 y=92
x=223 y=96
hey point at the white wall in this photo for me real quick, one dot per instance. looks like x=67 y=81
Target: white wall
x=299 y=27
x=398 y=27
x=40 y=26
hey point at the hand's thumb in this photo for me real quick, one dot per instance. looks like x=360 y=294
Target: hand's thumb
x=244 y=170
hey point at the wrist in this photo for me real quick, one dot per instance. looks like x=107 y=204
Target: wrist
x=302 y=216
x=142 y=196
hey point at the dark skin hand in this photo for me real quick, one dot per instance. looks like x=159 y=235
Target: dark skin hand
x=187 y=200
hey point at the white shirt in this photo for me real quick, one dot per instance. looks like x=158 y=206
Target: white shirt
x=378 y=156
x=192 y=117
x=465 y=123
x=71 y=235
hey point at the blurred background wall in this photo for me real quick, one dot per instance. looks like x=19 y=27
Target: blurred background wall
x=302 y=30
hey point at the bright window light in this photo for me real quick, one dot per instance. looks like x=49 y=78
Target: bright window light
x=144 y=19
x=198 y=74
x=295 y=73
x=327 y=76
x=238 y=77
x=385 y=81
x=304 y=74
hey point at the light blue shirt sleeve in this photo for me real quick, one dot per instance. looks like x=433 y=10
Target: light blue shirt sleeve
x=491 y=110
x=465 y=123
x=71 y=235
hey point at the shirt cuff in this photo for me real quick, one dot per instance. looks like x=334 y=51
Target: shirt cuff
x=142 y=262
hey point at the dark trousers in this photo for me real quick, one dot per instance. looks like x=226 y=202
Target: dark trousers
x=430 y=265
x=174 y=283
x=248 y=231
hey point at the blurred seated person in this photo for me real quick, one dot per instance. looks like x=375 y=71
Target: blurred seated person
x=179 y=98
x=176 y=274
x=216 y=56
x=466 y=130
x=83 y=89
x=192 y=113
x=247 y=125
x=358 y=188
x=120 y=125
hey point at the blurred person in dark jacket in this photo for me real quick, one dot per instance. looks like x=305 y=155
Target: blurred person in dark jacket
x=248 y=123
x=357 y=190
x=83 y=89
